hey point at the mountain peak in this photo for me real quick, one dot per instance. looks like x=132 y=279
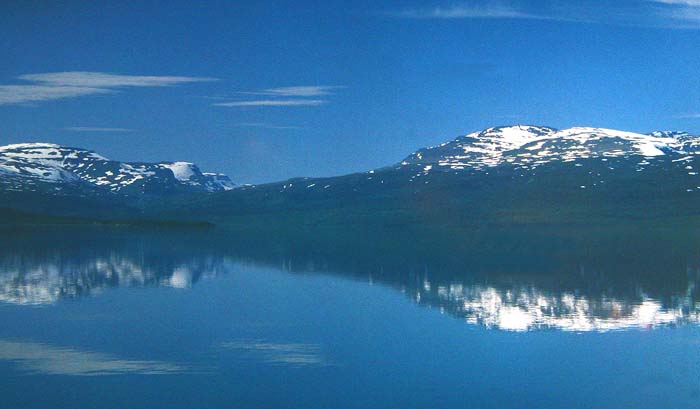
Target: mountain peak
x=669 y=134
x=517 y=132
x=183 y=171
x=531 y=146
x=28 y=165
x=30 y=145
x=45 y=150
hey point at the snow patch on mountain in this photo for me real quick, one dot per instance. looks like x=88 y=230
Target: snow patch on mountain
x=24 y=165
x=532 y=146
x=183 y=171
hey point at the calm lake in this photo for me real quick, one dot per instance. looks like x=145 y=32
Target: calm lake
x=98 y=317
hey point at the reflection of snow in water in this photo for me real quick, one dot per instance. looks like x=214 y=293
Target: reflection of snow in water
x=528 y=308
x=181 y=278
x=513 y=307
x=47 y=281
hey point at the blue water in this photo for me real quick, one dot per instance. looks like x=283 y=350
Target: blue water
x=113 y=319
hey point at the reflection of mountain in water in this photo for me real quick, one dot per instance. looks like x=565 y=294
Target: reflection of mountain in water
x=524 y=308
x=42 y=282
x=517 y=289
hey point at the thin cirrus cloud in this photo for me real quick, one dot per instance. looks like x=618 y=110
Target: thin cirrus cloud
x=683 y=13
x=265 y=125
x=465 y=12
x=692 y=3
x=273 y=103
x=23 y=94
x=301 y=95
x=677 y=14
x=95 y=129
x=298 y=91
x=72 y=84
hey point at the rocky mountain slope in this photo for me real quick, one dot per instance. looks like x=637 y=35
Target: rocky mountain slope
x=514 y=174
x=529 y=147
x=43 y=166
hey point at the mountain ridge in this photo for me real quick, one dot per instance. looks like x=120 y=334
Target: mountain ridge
x=491 y=146
x=31 y=164
x=519 y=174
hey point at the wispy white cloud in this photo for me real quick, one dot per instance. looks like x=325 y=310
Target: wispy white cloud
x=105 y=80
x=266 y=125
x=689 y=116
x=71 y=84
x=273 y=103
x=38 y=358
x=284 y=96
x=24 y=94
x=298 y=91
x=96 y=129
x=676 y=14
x=692 y=3
x=464 y=12
x=685 y=17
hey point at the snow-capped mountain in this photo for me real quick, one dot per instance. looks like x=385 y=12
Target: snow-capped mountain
x=582 y=157
x=532 y=146
x=33 y=166
x=517 y=173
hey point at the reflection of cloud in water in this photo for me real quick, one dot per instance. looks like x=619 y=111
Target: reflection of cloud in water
x=38 y=358
x=293 y=354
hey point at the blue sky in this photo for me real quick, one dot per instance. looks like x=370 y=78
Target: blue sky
x=265 y=91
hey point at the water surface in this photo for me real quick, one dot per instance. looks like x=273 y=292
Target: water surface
x=177 y=318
